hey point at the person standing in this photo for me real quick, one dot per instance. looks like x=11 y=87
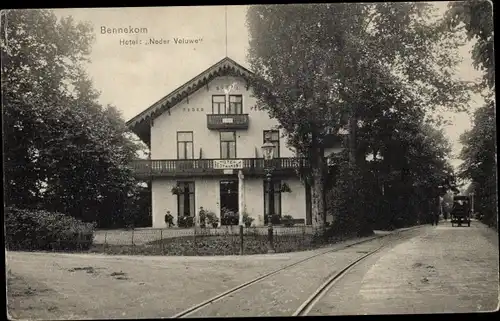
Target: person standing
x=201 y=217
x=436 y=218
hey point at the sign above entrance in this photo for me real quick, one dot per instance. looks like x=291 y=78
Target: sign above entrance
x=228 y=164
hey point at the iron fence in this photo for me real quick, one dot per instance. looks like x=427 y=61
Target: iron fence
x=227 y=240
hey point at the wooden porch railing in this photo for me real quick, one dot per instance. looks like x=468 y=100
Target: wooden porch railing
x=227 y=121
x=196 y=166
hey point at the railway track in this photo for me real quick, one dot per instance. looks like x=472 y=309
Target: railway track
x=307 y=305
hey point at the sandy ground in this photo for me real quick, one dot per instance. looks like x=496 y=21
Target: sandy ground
x=283 y=293
x=84 y=286
x=444 y=270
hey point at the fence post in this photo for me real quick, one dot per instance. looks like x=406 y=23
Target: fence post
x=161 y=242
x=194 y=240
x=105 y=239
x=241 y=239
x=303 y=235
x=133 y=245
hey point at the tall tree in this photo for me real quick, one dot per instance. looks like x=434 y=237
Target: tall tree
x=475 y=17
x=479 y=144
x=479 y=161
x=316 y=66
x=63 y=151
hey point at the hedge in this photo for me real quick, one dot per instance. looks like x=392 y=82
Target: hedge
x=45 y=231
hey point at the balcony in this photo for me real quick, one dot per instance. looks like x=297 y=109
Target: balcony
x=227 y=121
x=214 y=167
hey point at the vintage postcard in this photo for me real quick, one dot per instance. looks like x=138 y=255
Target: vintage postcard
x=250 y=160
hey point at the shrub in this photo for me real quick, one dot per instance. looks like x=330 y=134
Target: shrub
x=351 y=201
x=247 y=220
x=186 y=221
x=212 y=219
x=229 y=217
x=43 y=230
x=287 y=220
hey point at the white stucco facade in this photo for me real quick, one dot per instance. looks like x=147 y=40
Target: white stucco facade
x=207 y=195
x=164 y=123
x=191 y=115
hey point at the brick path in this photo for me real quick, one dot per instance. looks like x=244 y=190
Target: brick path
x=443 y=270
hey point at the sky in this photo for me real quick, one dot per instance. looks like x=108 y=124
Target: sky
x=174 y=44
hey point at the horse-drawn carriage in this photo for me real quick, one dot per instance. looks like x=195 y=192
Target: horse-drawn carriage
x=461 y=212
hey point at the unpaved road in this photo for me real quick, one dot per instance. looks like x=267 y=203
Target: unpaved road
x=82 y=286
x=431 y=269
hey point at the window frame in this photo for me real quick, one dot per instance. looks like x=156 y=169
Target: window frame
x=184 y=142
x=276 y=194
x=219 y=105
x=187 y=197
x=276 y=143
x=238 y=112
x=227 y=145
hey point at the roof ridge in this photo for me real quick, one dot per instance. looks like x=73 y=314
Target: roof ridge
x=224 y=65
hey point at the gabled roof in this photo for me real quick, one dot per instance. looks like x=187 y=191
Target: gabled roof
x=141 y=124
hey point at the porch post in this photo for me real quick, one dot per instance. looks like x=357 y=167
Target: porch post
x=241 y=197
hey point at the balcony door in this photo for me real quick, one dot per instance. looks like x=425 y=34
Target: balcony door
x=219 y=104
x=185 y=199
x=273 y=136
x=272 y=200
x=234 y=107
x=227 y=145
x=185 y=150
x=229 y=202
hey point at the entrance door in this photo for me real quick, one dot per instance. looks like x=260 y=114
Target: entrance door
x=229 y=205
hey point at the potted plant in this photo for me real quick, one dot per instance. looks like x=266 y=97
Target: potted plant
x=169 y=219
x=285 y=188
x=247 y=220
x=186 y=221
x=212 y=219
x=229 y=217
x=287 y=220
x=176 y=190
x=276 y=219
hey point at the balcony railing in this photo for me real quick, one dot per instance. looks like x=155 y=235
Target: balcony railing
x=227 y=121
x=212 y=167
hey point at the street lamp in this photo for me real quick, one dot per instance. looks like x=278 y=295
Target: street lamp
x=472 y=202
x=268 y=153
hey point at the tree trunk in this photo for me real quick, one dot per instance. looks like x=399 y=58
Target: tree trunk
x=317 y=162
x=352 y=137
x=318 y=198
